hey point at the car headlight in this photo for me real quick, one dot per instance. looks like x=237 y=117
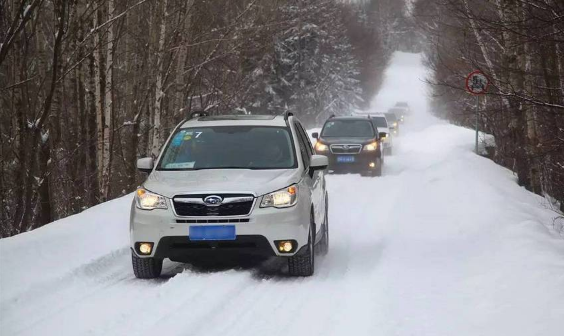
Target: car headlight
x=395 y=124
x=321 y=147
x=283 y=198
x=371 y=147
x=148 y=201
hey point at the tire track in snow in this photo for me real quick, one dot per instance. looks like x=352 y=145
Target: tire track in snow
x=80 y=284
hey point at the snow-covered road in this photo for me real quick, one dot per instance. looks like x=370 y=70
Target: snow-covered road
x=445 y=243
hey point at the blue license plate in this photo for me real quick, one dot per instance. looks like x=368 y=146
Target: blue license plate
x=345 y=159
x=213 y=232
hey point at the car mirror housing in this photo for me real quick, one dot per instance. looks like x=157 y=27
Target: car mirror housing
x=382 y=135
x=145 y=165
x=319 y=162
x=315 y=135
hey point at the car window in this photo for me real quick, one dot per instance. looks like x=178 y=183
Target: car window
x=380 y=122
x=348 y=128
x=391 y=117
x=233 y=147
x=306 y=157
x=309 y=146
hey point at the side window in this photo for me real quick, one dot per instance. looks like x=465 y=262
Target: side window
x=303 y=146
x=309 y=147
x=375 y=128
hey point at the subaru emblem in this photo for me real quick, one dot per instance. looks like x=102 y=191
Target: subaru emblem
x=213 y=200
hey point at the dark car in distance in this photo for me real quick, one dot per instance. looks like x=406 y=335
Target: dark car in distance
x=352 y=145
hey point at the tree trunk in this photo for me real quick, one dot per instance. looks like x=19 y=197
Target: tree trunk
x=99 y=98
x=159 y=94
x=108 y=109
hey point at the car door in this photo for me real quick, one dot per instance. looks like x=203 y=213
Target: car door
x=315 y=182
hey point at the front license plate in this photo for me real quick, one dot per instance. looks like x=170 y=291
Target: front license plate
x=214 y=232
x=345 y=159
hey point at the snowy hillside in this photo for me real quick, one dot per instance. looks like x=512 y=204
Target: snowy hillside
x=445 y=243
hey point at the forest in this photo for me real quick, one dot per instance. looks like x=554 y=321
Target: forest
x=86 y=87
x=519 y=45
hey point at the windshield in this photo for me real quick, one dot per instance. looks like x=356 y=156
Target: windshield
x=348 y=128
x=391 y=117
x=380 y=122
x=229 y=147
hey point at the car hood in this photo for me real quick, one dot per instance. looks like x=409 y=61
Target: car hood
x=348 y=140
x=260 y=182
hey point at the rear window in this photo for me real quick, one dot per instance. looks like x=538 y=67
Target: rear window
x=348 y=128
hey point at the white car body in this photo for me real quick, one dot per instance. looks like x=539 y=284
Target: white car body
x=381 y=123
x=186 y=190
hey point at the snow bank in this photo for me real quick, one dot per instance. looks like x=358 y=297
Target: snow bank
x=55 y=250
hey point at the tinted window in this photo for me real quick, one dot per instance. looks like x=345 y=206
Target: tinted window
x=303 y=145
x=391 y=117
x=348 y=128
x=380 y=122
x=302 y=131
x=235 y=147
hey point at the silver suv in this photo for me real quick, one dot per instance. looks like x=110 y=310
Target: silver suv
x=232 y=184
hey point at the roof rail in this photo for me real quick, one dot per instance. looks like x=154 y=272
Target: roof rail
x=197 y=114
x=287 y=115
x=331 y=116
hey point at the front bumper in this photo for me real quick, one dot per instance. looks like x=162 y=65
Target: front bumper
x=362 y=163
x=255 y=234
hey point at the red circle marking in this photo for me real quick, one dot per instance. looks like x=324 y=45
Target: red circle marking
x=468 y=83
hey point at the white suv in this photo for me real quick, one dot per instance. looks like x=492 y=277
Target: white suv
x=232 y=184
x=381 y=123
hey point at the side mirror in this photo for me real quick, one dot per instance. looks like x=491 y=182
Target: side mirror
x=382 y=135
x=315 y=135
x=318 y=162
x=145 y=165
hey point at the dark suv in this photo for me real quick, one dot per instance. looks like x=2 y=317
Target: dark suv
x=352 y=144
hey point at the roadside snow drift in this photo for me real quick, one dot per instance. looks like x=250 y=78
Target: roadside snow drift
x=445 y=243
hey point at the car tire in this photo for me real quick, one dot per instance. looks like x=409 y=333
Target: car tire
x=146 y=268
x=323 y=244
x=303 y=265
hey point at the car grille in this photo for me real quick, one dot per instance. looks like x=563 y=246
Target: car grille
x=232 y=205
x=346 y=149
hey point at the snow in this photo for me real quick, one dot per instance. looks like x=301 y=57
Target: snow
x=404 y=81
x=446 y=243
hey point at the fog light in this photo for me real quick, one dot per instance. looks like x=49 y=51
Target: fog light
x=145 y=248
x=285 y=246
x=372 y=164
